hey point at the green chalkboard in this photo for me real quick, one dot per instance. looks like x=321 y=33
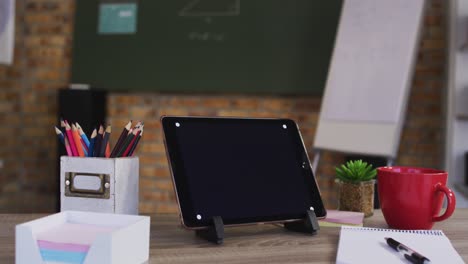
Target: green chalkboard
x=221 y=46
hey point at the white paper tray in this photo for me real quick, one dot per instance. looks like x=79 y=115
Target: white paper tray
x=128 y=243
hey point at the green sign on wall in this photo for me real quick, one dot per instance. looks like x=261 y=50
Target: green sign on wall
x=117 y=18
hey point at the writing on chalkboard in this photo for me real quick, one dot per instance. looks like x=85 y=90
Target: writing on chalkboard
x=206 y=36
x=205 y=10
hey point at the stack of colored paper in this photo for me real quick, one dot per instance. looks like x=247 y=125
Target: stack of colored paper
x=69 y=242
x=340 y=218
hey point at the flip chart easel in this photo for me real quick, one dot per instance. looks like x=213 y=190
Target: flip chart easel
x=370 y=74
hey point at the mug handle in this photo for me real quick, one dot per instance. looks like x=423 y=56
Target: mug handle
x=450 y=202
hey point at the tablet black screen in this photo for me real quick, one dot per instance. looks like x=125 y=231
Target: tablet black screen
x=244 y=170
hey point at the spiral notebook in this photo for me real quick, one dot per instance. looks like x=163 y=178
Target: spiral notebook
x=367 y=245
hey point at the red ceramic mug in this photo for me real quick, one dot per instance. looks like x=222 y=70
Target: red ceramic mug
x=411 y=198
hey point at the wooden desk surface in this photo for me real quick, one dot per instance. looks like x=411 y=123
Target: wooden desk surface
x=252 y=244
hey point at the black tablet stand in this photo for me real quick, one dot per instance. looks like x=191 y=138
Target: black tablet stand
x=308 y=225
x=215 y=233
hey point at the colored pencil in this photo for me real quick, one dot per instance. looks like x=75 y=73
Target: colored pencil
x=62 y=125
x=138 y=125
x=63 y=129
x=71 y=141
x=91 y=143
x=122 y=137
x=129 y=147
x=77 y=138
x=84 y=147
x=82 y=134
x=135 y=144
x=77 y=143
x=126 y=143
x=60 y=135
x=63 y=139
x=108 y=152
x=117 y=150
x=97 y=143
x=105 y=140
x=67 y=147
x=83 y=138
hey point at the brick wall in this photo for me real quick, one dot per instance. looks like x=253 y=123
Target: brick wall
x=28 y=91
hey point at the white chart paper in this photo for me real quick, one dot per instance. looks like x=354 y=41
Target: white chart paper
x=7 y=31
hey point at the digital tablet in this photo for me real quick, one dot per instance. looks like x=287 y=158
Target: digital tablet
x=244 y=170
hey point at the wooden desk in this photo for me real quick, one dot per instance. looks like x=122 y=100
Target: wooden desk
x=252 y=244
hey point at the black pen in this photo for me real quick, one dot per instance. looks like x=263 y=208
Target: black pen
x=408 y=253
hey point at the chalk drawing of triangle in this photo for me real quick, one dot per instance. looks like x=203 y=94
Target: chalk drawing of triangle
x=210 y=8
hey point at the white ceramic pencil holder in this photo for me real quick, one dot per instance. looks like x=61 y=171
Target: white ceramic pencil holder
x=105 y=185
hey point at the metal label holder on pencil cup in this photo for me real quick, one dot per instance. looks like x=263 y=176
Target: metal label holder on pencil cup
x=91 y=185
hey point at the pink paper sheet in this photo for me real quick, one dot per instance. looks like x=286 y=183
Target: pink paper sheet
x=81 y=234
x=344 y=217
x=62 y=246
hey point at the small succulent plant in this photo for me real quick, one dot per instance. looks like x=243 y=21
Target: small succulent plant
x=355 y=171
